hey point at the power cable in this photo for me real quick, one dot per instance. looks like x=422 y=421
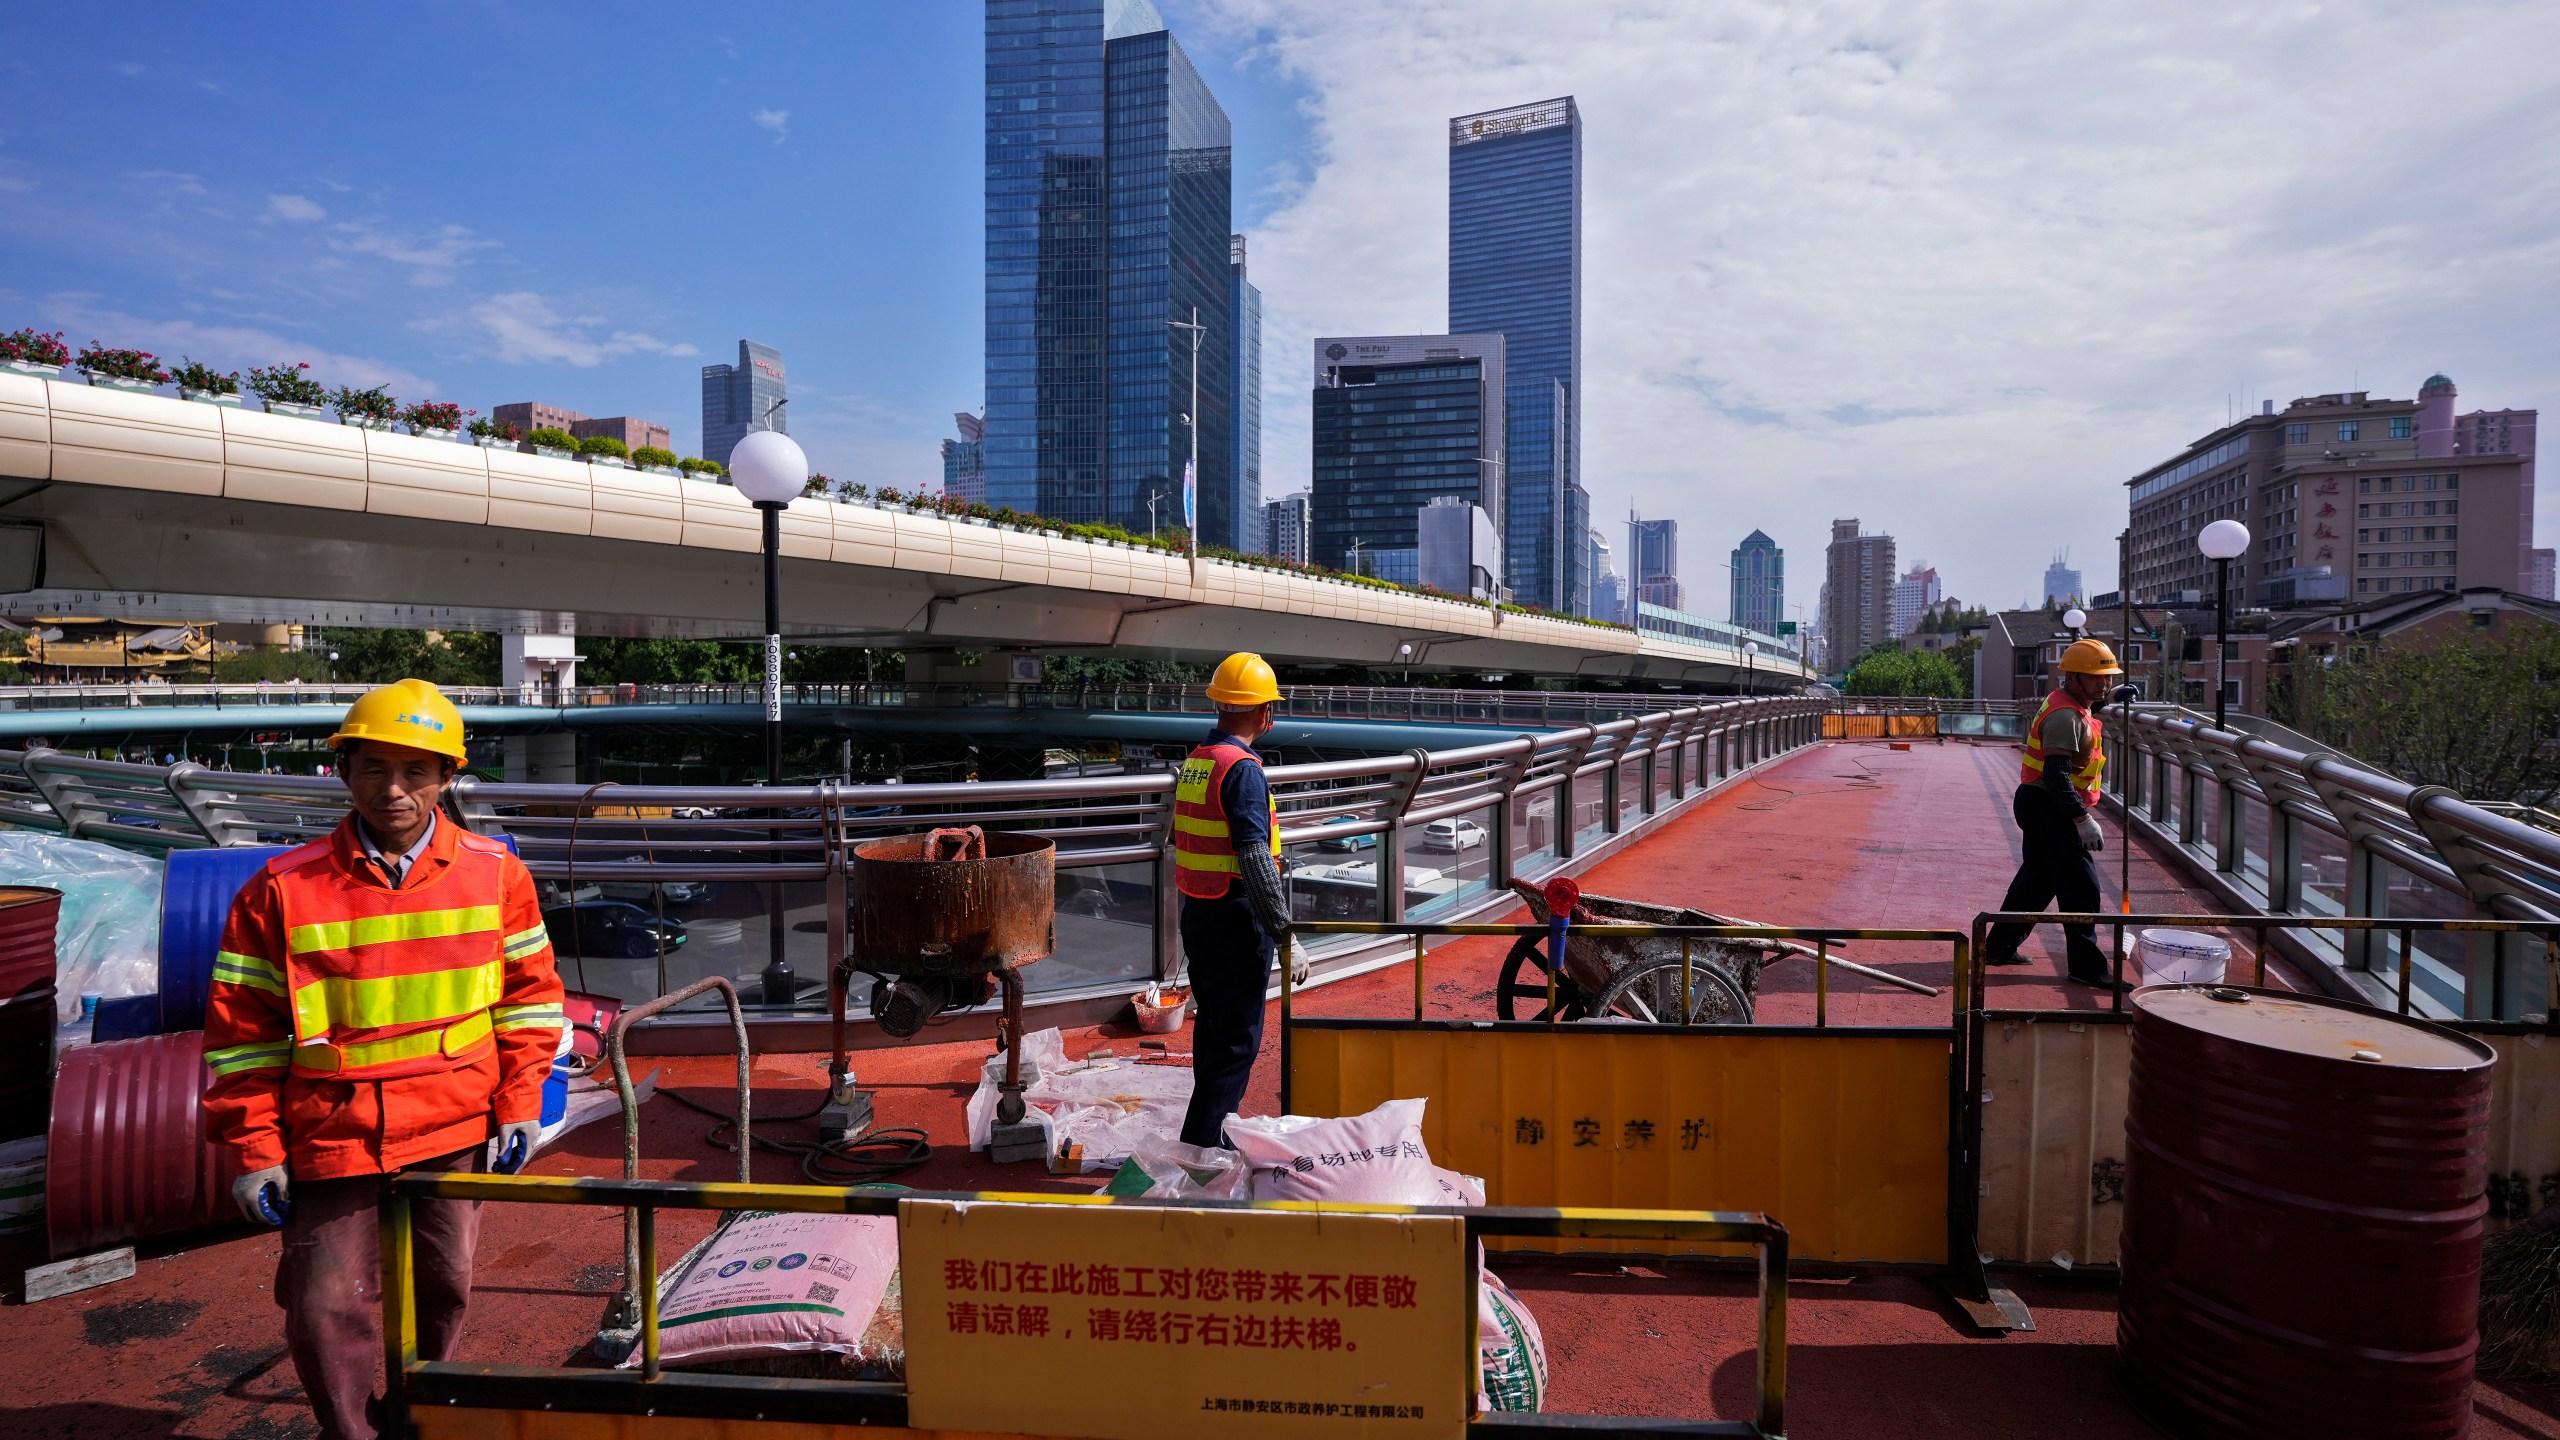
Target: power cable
x=871 y=1159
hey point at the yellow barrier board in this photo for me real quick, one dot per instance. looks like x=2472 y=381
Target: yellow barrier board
x=1840 y=1136
x=1133 y=1324
x=1878 y=727
x=450 y=1423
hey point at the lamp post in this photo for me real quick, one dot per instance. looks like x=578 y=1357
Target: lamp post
x=770 y=469
x=2222 y=542
x=1191 y=473
x=1750 y=666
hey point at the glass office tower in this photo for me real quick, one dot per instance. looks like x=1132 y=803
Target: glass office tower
x=1515 y=266
x=1109 y=204
x=742 y=397
x=1244 y=363
x=1400 y=421
x=1759 y=583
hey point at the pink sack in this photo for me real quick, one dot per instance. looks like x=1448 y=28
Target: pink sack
x=771 y=1283
x=1376 y=1159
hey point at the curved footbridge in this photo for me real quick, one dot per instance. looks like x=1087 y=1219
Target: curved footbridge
x=151 y=506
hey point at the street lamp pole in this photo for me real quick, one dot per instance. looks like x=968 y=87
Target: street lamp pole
x=1191 y=476
x=1750 y=666
x=2222 y=542
x=770 y=469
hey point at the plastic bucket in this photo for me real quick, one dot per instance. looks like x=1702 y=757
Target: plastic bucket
x=1161 y=1019
x=21 y=1185
x=2181 y=957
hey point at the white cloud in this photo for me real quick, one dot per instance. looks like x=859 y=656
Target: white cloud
x=297 y=208
x=129 y=67
x=178 y=181
x=434 y=254
x=1954 y=270
x=523 y=328
x=777 y=121
x=228 y=347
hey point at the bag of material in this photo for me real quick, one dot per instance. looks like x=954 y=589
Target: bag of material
x=1377 y=1158
x=1511 y=1355
x=107 y=941
x=770 y=1283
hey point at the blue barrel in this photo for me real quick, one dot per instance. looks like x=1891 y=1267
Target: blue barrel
x=196 y=892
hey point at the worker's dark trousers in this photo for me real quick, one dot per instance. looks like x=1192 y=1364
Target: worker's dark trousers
x=329 y=1282
x=1230 y=969
x=2053 y=867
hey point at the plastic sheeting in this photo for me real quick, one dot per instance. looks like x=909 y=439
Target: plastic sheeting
x=108 y=943
x=1110 y=1106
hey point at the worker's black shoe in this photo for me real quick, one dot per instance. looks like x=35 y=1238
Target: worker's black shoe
x=2100 y=979
x=2004 y=957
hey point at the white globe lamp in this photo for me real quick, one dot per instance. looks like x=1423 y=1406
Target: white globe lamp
x=770 y=468
x=2222 y=542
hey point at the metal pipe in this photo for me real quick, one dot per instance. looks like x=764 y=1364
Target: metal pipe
x=615 y=1053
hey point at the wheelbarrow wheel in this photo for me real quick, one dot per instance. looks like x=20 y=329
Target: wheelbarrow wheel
x=1650 y=992
x=1524 y=986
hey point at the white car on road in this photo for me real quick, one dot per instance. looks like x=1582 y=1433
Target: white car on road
x=1452 y=835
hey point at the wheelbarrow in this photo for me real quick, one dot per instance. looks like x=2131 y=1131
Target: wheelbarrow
x=1622 y=977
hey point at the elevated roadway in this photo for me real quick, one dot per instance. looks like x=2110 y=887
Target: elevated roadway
x=156 y=507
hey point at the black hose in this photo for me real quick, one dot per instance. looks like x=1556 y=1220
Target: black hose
x=871 y=1159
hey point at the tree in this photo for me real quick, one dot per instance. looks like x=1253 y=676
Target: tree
x=378 y=657
x=1890 y=670
x=2472 y=711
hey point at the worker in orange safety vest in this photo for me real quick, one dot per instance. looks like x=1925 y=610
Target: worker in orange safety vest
x=384 y=1000
x=2059 y=839
x=1226 y=849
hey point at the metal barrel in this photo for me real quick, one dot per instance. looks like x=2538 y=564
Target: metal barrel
x=128 y=1156
x=28 y=917
x=196 y=891
x=2305 y=1194
x=915 y=914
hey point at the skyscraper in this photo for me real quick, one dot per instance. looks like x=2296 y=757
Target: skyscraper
x=964 y=461
x=742 y=397
x=1857 y=600
x=1913 y=594
x=1653 y=561
x=1609 y=600
x=1109 y=199
x=1244 y=365
x=2061 y=582
x=1515 y=269
x=1284 y=528
x=1400 y=420
x=1759 y=583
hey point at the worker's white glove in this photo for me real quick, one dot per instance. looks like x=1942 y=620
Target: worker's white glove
x=514 y=1145
x=1299 y=966
x=2092 y=839
x=249 y=1190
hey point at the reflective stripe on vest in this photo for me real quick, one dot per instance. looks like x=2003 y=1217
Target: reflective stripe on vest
x=256 y=1055
x=451 y=1042
x=384 y=929
x=2031 y=766
x=334 y=1003
x=1204 y=852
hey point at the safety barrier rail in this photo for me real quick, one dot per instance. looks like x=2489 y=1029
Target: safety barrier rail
x=418 y=1388
x=2279 y=831
x=1395 y=837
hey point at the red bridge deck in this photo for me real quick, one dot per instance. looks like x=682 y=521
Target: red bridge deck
x=1842 y=835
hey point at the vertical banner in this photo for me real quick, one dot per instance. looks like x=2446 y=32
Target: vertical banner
x=1135 y=1323
x=773 y=681
x=1191 y=502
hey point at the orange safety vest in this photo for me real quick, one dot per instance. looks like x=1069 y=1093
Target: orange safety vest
x=2031 y=767
x=1204 y=847
x=352 y=1028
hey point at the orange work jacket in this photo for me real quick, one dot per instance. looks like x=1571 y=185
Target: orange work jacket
x=1204 y=846
x=354 y=1029
x=2085 y=781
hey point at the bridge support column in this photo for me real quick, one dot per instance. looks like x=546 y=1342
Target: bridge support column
x=550 y=759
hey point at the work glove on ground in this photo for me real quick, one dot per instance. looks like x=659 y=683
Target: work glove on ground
x=514 y=1146
x=2092 y=839
x=248 y=1189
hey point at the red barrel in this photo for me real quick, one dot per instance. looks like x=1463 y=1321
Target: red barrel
x=2305 y=1189
x=28 y=915
x=127 y=1156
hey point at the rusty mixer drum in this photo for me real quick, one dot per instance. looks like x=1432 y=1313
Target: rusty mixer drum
x=913 y=914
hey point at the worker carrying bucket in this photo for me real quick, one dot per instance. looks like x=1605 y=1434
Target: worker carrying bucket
x=1226 y=849
x=384 y=1000
x=2058 y=779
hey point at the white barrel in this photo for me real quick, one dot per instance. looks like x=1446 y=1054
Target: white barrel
x=2181 y=957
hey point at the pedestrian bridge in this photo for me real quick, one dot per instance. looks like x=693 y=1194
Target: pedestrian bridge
x=163 y=508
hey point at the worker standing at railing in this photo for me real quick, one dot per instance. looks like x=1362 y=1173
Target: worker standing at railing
x=2059 y=839
x=384 y=1000
x=1226 y=849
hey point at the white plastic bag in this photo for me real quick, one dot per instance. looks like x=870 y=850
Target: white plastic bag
x=107 y=942
x=1377 y=1158
x=1110 y=1105
x=772 y=1283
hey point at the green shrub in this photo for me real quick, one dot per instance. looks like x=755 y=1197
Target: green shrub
x=287 y=385
x=604 y=445
x=556 y=439
x=652 y=455
x=196 y=375
x=374 y=403
x=694 y=466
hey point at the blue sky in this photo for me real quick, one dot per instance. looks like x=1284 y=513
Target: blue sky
x=1954 y=269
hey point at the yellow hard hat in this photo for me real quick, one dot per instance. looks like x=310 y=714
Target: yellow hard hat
x=1244 y=679
x=2090 y=657
x=407 y=712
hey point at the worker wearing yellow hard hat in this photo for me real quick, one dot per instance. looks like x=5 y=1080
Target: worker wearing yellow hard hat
x=384 y=1000
x=1226 y=863
x=2058 y=778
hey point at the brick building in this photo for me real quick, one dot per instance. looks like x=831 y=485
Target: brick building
x=532 y=415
